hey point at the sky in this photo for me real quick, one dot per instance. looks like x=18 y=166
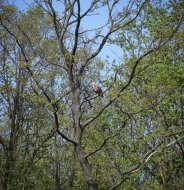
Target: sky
x=112 y=51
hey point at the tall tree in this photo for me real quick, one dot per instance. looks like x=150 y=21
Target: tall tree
x=49 y=59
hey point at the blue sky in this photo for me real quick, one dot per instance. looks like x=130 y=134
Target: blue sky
x=112 y=51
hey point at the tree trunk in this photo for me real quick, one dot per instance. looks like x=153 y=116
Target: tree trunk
x=92 y=185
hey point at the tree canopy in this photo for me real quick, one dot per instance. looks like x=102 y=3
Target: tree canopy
x=55 y=132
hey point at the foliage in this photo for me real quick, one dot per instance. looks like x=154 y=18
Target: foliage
x=55 y=133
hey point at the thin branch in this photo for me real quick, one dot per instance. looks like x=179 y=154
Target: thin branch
x=54 y=106
x=121 y=90
x=15 y=37
x=35 y=151
x=176 y=133
x=41 y=88
x=52 y=63
x=2 y=142
x=54 y=18
x=66 y=138
x=66 y=20
x=59 y=31
x=112 y=29
x=102 y=145
x=85 y=13
x=77 y=30
x=110 y=9
x=132 y=75
x=145 y=159
x=131 y=20
x=107 y=138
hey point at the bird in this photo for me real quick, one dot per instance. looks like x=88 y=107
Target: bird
x=97 y=89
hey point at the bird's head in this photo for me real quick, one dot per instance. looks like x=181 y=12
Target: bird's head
x=93 y=83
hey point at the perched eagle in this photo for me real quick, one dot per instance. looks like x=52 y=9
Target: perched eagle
x=97 y=89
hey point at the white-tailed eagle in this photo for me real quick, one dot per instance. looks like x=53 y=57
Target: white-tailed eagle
x=97 y=89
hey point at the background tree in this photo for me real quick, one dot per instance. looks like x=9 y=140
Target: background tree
x=55 y=132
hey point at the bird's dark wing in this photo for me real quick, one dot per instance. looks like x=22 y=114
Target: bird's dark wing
x=98 y=90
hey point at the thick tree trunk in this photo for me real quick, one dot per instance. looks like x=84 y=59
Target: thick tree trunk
x=92 y=185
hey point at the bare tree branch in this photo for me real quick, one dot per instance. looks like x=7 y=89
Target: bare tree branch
x=112 y=29
x=77 y=29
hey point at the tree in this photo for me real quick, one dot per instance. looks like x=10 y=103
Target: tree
x=49 y=61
